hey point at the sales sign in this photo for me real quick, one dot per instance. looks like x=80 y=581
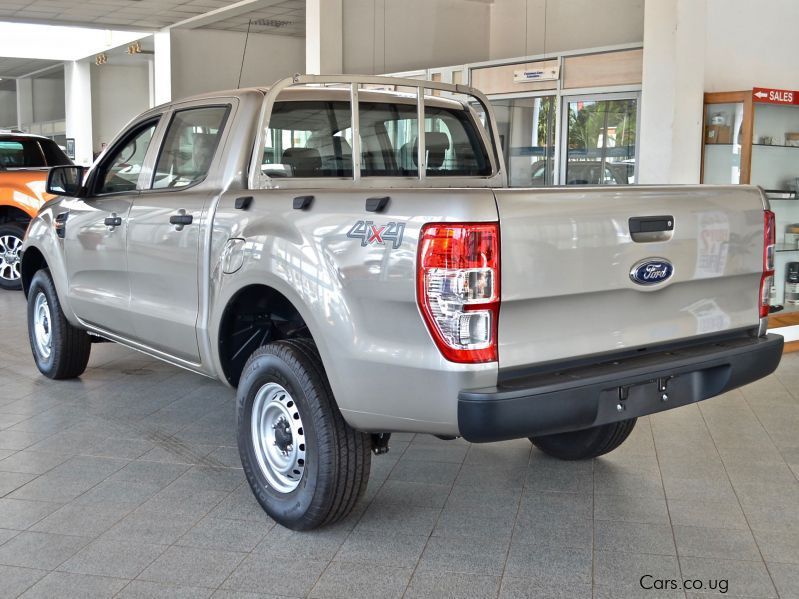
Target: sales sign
x=766 y=95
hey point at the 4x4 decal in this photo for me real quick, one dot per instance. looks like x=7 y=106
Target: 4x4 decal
x=370 y=233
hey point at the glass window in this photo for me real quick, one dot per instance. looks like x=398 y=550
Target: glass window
x=120 y=171
x=526 y=129
x=389 y=141
x=53 y=155
x=189 y=146
x=21 y=153
x=308 y=139
x=314 y=139
x=601 y=142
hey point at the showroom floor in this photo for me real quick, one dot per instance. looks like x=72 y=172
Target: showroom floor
x=126 y=483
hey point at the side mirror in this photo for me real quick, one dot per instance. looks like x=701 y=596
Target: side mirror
x=65 y=181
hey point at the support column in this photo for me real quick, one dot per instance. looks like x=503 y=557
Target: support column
x=24 y=102
x=672 y=91
x=161 y=90
x=324 y=47
x=78 y=104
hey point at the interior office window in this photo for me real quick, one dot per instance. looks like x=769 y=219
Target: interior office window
x=120 y=171
x=601 y=142
x=389 y=141
x=308 y=139
x=189 y=146
x=526 y=129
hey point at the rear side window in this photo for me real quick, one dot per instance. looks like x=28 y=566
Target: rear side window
x=314 y=139
x=53 y=155
x=19 y=153
x=189 y=146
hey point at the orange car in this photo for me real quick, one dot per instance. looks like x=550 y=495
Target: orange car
x=24 y=162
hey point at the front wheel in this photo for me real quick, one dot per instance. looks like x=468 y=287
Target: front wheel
x=585 y=444
x=61 y=351
x=11 y=236
x=306 y=466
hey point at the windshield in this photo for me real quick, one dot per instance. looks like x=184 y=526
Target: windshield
x=26 y=152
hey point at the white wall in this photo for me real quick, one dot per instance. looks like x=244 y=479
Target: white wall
x=751 y=44
x=8 y=108
x=48 y=97
x=119 y=93
x=386 y=36
x=527 y=27
x=206 y=60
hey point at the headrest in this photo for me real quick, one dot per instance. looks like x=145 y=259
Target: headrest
x=304 y=162
x=437 y=144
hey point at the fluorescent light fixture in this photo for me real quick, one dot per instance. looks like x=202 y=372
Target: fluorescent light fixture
x=54 y=42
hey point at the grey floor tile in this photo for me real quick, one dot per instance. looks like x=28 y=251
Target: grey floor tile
x=786 y=578
x=143 y=526
x=11 y=481
x=551 y=564
x=78 y=586
x=111 y=557
x=281 y=542
x=634 y=537
x=191 y=566
x=555 y=506
x=631 y=483
x=39 y=550
x=474 y=521
x=531 y=588
x=157 y=473
x=32 y=462
x=720 y=543
x=715 y=514
x=447 y=585
x=464 y=555
x=356 y=582
x=261 y=571
x=416 y=494
x=571 y=533
x=398 y=518
x=16 y=581
x=88 y=520
x=435 y=453
x=778 y=546
x=17 y=440
x=144 y=589
x=631 y=509
x=438 y=473
x=619 y=574
x=746 y=579
x=223 y=534
x=21 y=514
x=7 y=534
x=375 y=547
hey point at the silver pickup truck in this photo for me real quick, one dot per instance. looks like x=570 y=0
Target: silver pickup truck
x=346 y=251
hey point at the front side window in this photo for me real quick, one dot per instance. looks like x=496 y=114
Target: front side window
x=189 y=146
x=120 y=171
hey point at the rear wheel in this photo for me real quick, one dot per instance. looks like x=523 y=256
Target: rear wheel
x=306 y=466
x=585 y=444
x=61 y=351
x=11 y=236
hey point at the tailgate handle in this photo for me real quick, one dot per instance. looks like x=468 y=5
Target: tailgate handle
x=651 y=228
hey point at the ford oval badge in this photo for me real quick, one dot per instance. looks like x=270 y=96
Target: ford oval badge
x=652 y=271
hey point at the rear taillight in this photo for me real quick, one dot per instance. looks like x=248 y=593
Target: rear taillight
x=769 y=247
x=457 y=284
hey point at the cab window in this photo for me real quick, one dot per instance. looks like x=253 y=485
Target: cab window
x=189 y=146
x=120 y=171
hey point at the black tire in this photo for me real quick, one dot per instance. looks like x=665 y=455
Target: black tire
x=11 y=236
x=69 y=346
x=337 y=457
x=585 y=444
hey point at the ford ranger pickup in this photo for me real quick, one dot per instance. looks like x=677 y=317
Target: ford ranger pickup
x=346 y=252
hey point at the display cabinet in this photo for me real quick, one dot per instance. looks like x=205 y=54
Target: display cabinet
x=753 y=137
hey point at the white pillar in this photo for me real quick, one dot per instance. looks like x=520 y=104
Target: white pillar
x=324 y=47
x=161 y=91
x=672 y=91
x=78 y=104
x=24 y=102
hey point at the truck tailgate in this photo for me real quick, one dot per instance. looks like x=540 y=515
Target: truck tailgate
x=567 y=256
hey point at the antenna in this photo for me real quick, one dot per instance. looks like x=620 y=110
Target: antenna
x=244 y=52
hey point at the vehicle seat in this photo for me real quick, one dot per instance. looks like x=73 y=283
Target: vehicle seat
x=304 y=162
x=335 y=153
x=436 y=144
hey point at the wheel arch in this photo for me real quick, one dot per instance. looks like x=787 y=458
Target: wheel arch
x=32 y=261
x=255 y=315
x=13 y=214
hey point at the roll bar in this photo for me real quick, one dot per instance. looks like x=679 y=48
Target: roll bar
x=354 y=82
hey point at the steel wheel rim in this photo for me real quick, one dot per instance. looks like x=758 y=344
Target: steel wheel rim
x=42 y=326
x=9 y=257
x=278 y=437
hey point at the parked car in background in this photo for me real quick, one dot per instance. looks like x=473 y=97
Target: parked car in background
x=24 y=162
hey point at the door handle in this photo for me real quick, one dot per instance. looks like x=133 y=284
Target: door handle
x=377 y=204
x=181 y=219
x=113 y=221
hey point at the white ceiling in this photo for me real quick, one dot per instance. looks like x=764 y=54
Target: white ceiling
x=17 y=67
x=157 y=14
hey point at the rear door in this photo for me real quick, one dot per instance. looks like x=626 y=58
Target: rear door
x=165 y=231
x=568 y=256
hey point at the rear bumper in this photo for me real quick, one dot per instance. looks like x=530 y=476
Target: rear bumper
x=587 y=396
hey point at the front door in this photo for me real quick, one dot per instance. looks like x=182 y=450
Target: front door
x=165 y=231
x=96 y=228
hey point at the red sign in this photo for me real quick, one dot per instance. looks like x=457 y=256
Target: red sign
x=767 y=95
